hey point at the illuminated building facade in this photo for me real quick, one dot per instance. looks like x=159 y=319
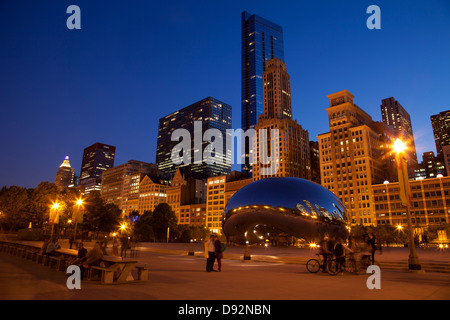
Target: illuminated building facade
x=354 y=155
x=96 y=159
x=289 y=155
x=261 y=40
x=430 y=203
x=119 y=183
x=151 y=193
x=441 y=130
x=65 y=175
x=210 y=113
x=185 y=190
x=398 y=119
x=219 y=190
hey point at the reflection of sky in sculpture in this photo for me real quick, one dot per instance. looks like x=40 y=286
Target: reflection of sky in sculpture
x=304 y=196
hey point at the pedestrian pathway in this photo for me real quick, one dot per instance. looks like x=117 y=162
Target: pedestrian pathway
x=396 y=258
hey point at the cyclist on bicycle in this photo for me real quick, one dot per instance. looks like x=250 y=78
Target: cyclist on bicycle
x=324 y=250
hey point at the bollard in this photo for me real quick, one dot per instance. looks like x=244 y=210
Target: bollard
x=247 y=257
x=191 y=248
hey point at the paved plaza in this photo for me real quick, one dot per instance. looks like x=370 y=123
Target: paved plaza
x=273 y=274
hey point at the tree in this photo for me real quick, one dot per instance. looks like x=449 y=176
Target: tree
x=188 y=233
x=14 y=205
x=100 y=217
x=161 y=219
x=143 y=230
x=41 y=199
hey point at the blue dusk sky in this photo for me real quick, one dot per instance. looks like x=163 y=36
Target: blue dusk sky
x=135 y=61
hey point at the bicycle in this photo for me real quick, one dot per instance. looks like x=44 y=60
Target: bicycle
x=349 y=265
x=314 y=265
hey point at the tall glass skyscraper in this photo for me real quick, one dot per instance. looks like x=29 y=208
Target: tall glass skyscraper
x=96 y=159
x=262 y=40
x=210 y=113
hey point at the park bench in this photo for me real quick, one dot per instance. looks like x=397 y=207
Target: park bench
x=106 y=274
x=23 y=252
x=31 y=254
x=58 y=262
x=40 y=258
x=142 y=273
x=45 y=260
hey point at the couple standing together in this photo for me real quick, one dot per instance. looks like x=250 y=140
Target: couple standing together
x=215 y=249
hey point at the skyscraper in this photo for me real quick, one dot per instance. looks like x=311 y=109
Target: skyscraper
x=289 y=156
x=396 y=117
x=96 y=159
x=441 y=130
x=196 y=119
x=65 y=174
x=261 y=40
x=117 y=182
x=354 y=155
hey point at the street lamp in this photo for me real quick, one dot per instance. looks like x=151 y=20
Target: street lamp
x=405 y=195
x=53 y=217
x=77 y=216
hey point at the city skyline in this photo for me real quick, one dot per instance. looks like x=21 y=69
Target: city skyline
x=63 y=90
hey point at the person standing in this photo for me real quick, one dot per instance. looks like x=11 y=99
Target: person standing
x=218 y=252
x=211 y=254
x=323 y=250
x=340 y=250
x=115 y=246
x=371 y=241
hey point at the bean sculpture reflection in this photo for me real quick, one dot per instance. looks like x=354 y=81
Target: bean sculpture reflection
x=293 y=206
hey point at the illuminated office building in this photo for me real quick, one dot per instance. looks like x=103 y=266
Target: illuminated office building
x=441 y=130
x=96 y=159
x=219 y=190
x=261 y=40
x=65 y=175
x=430 y=203
x=289 y=154
x=210 y=113
x=354 y=155
x=398 y=119
x=122 y=183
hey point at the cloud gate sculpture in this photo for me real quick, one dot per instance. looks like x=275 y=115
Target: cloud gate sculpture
x=294 y=206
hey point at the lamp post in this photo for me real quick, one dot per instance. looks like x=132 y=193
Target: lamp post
x=405 y=195
x=77 y=216
x=54 y=217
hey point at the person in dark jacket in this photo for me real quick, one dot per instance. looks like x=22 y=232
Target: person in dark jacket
x=218 y=251
x=371 y=241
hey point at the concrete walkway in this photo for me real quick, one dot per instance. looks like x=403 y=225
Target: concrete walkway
x=175 y=276
x=395 y=258
x=183 y=278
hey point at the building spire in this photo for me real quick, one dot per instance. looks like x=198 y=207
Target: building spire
x=65 y=163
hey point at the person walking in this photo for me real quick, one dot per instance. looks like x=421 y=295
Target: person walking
x=125 y=246
x=371 y=241
x=115 y=247
x=211 y=254
x=218 y=252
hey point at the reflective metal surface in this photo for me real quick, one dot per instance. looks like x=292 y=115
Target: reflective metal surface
x=293 y=206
